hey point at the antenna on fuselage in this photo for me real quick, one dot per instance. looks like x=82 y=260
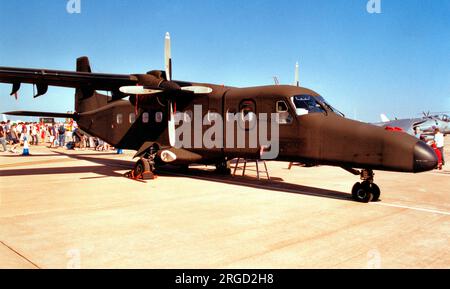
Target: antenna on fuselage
x=275 y=79
x=297 y=75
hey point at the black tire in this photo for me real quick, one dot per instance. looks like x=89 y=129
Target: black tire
x=375 y=190
x=141 y=166
x=362 y=193
x=223 y=168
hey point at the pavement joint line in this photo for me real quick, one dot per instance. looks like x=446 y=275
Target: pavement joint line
x=337 y=198
x=20 y=255
x=413 y=208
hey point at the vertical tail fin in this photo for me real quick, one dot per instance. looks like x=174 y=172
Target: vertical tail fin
x=83 y=64
x=86 y=98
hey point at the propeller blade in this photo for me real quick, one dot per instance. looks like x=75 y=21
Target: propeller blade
x=168 y=57
x=171 y=125
x=138 y=90
x=197 y=89
x=297 y=75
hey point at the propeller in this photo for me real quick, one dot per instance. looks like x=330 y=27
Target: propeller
x=171 y=125
x=168 y=67
x=156 y=81
x=138 y=90
x=168 y=57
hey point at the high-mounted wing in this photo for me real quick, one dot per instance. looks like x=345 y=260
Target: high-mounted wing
x=43 y=78
x=43 y=114
x=157 y=83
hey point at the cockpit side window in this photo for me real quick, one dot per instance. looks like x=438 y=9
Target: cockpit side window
x=306 y=104
x=284 y=117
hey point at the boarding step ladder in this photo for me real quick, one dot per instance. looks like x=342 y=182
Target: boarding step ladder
x=291 y=164
x=241 y=161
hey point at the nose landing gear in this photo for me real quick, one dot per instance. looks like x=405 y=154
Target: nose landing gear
x=366 y=191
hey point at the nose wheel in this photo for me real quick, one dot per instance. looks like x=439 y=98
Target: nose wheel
x=366 y=191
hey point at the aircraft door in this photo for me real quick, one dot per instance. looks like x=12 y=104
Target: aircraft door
x=201 y=115
x=288 y=128
x=241 y=126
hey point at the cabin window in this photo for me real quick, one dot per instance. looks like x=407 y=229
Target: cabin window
x=247 y=107
x=188 y=116
x=230 y=111
x=159 y=117
x=132 y=118
x=119 y=118
x=145 y=117
x=211 y=115
x=284 y=117
x=282 y=106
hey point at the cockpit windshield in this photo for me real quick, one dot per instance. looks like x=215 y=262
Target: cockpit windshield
x=305 y=104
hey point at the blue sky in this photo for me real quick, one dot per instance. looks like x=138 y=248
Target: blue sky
x=396 y=62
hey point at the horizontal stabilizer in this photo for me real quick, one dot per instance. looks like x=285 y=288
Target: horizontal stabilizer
x=42 y=114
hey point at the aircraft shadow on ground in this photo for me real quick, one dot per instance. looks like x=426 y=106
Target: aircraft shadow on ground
x=109 y=167
x=273 y=185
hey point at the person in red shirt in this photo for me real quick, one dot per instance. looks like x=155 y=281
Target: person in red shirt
x=438 y=153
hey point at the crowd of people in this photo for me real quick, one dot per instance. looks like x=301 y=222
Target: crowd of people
x=13 y=135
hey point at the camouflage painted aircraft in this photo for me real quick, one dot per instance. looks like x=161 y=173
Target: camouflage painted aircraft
x=138 y=115
x=425 y=124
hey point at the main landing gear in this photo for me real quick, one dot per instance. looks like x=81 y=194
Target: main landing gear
x=144 y=168
x=223 y=167
x=366 y=191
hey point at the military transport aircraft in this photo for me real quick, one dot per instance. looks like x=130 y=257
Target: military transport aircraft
x=425 y=124
x=138 y=115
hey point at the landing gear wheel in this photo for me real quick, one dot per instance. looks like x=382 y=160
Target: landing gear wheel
x=362 y=193
x=223 y=168
x=375 y=190
x=141 y=166
x=143 y=169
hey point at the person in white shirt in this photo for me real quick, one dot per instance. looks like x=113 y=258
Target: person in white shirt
x=439 y=139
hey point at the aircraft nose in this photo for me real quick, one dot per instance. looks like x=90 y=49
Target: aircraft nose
x=425 y=159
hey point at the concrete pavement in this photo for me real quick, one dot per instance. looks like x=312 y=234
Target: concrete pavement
x=73 y=209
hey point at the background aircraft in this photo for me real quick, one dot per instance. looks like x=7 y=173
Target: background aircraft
x=425 y=124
